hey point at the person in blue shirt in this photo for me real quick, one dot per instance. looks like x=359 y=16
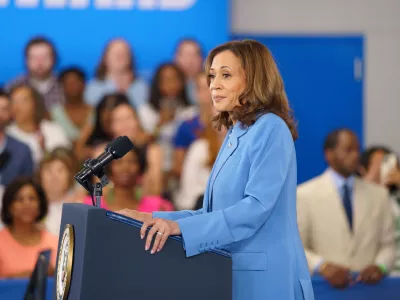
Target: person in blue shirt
x=249 y=206
x=15 y=156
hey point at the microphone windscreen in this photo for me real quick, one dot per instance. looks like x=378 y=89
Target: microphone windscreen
x=120 y=146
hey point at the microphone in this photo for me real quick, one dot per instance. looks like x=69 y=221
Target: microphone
x=115 y=150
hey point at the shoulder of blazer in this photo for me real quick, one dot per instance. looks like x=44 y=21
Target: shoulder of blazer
x=372 y=190
x=313 y=185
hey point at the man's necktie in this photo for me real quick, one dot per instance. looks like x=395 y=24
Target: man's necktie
x=347 y=205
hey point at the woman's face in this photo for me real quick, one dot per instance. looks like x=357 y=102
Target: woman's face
x=25 y=207
x=124 y=171
x=124 y=121
x=73 y=86
x=227 y=81
x=118 y=56
x=189 y=58
x=22 y=105
x=55 y=177
x=170 y=83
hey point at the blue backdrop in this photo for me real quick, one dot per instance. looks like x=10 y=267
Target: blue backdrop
x=324 y=81
x=80 y=29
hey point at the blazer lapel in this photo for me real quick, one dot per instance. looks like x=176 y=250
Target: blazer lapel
x=229 y=146
x=360 y=209
x=207 y=193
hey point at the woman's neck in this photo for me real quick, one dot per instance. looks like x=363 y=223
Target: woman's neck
x=75 y=103
x=55 y=196
x=28 y=126
x=124 y=194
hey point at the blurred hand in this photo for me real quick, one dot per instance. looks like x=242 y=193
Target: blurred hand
x=161 y=229
x=393 y=178
x=370 y=275
x=373 y=173
x=337 y=276
x=134 y=214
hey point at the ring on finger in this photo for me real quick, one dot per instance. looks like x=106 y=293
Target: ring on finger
x=160 y=233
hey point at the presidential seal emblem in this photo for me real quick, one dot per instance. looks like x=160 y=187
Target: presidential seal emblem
x=64 y=265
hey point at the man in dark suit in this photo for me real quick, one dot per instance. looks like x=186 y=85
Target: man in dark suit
x=15 y=156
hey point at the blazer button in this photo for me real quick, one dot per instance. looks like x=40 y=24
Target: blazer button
x=230 y=145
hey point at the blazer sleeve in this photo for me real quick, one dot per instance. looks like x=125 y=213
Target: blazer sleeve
x=176 y=215
x=387 y=250
x=270 y=159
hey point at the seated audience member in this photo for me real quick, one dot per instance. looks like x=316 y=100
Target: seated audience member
x=30 y=126
x=56 y=174
x=345 y=222
x=23 y=238
x=373 y=169
x=97 y=133
x=116 y=73
x=75 y=113
x=189 y=58
x=168 y=100
x=125 y=191
x=15 y=156
x=197 y=167
x=167 y=108
x=190 y=129
x=40 y=59
x=124 y=121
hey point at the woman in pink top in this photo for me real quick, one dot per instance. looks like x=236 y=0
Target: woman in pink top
x=125 y=192
x=23 y=238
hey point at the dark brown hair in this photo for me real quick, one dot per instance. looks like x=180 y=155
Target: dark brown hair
x=101 y=70
x=10 y=195
x=40 y=112
x=210 y=134
x=264 y=91
x=39 y=40
x=155 y=92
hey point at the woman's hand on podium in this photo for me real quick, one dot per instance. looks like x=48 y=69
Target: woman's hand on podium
x=161 y=229
x=134 y=214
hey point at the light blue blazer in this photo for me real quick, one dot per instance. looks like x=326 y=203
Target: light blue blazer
x=249 y=209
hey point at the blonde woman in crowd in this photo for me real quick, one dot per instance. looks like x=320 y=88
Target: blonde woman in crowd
x=116 y=73
x=56 y=174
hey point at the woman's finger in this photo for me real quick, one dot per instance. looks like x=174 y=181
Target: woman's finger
x=159 y=235
x=164 y=238
x=144 y=227
x=150 y=234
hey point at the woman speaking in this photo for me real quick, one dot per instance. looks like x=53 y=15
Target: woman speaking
x=249 y=206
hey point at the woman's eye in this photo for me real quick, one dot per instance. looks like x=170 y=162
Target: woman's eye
x=211 y=76
x=226 y=75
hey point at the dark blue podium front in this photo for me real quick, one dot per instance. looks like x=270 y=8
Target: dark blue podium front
x=109 y=262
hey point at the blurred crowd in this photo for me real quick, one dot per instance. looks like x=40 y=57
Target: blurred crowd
x=50 y=123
